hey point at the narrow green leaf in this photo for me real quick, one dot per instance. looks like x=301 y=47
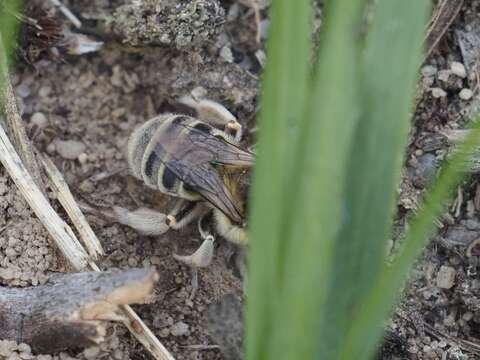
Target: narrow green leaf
x=390 y=62
x=316 y=191
x=381 y=298
x=284 y=93
x=9 y=22
x=8 y=30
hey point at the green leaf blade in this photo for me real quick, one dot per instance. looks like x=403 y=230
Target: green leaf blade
x=389 y=66
x=380 y=300
x=284 y=94
x=310 y=225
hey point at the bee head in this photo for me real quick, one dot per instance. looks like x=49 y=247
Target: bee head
x=237 y=182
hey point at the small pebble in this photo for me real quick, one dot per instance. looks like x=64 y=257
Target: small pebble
x=164 y=332
x=91 y=353
x=199 y=92
x=117 y=354
x=69 y=149
x=442 y=344
x=428 y=70
x=427 y=349
x=51 y=148
x=443 y=75
x=39 y=119
x=446 y=277
x=438 y=93
x=44 y=357
x=10 y=252
x=7 y=274
x=132 y=262
x=458 y=69
x=23 y=90
x=467 y=316
x=6 y=347
x=426 y=169
x=179 y=329
x=428 y=81
x=155 y=260
x=226 y=54
x=233 y=12
x=261 y=57
x=465 y=94
x=25 y=349
x=83 y=158
x=44 y=91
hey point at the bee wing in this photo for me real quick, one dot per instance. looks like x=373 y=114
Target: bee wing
x=230 y=154
x=221 y=151
x=192 y=159
x=204 y=179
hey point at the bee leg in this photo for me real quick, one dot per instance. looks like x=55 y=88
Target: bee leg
x=184 y=213
x=146 y=221
x=215 y=114
x=153 y=223
x=200 y=258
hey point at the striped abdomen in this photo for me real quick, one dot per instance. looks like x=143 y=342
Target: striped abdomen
x=151 y=147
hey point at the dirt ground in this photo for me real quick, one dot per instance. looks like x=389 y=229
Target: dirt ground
x=80 y=110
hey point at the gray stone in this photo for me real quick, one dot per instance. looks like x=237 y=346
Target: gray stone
x=179 y=329
x=446 y=277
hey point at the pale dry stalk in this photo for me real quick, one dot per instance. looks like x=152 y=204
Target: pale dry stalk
x=15 y=122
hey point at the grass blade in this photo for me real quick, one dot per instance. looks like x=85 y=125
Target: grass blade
x=315 y=194
x=381 y=298
x=388 y=81
x=284 y=93
x=9 y=23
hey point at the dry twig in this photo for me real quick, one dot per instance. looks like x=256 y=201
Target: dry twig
x=256 y=9
x=466 y=345
x=60 y=231
x=65 y=197
x=444 y=15
x=15 y=122
x=68 y=14
x=71 y=309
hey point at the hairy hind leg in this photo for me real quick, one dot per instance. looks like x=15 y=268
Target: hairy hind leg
x=153 y=223
x=215 y=114
x=200 y=258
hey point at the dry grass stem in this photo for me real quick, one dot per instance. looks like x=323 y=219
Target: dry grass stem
x=141 y=331
x=60 y=231
x=15 y=122
x=68 y=14
x=144 y=335
x=443 y=17
x=65 y=198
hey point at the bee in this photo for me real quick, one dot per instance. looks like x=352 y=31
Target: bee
x=199 y=161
